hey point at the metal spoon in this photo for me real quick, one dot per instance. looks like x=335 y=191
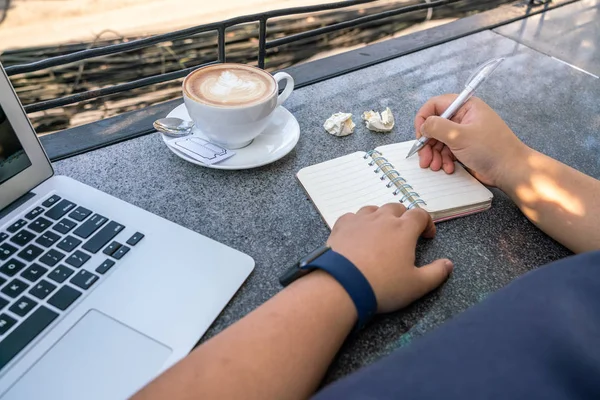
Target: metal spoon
x=174 y=127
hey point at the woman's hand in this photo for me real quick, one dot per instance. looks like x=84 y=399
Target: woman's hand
x=381 y=243
x=476 y=136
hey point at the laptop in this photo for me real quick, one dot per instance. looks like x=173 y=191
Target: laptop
x=97 y=296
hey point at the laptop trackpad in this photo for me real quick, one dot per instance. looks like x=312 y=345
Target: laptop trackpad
x=98 y=358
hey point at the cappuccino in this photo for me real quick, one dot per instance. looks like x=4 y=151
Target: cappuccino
x=229 y=85
x=231 y=104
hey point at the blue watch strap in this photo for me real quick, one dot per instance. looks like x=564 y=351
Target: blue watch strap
x=352 y=280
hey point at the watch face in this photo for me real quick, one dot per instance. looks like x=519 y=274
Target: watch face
x=313 y=256
x=291 y=275
x=299 y=270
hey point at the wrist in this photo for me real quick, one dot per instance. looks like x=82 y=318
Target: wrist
x=516 y=169
x=344 y=272
x=329 y=292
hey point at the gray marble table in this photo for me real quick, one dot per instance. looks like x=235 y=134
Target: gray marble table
x=265 y=213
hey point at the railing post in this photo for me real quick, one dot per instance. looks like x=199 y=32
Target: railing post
x=262 y=42
x=221 y=43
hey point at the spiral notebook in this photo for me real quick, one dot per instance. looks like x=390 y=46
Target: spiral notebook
x=384 y=175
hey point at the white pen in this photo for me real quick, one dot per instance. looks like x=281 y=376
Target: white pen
x=472 y=84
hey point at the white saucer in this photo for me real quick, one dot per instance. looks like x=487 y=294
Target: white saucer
x=278 y=139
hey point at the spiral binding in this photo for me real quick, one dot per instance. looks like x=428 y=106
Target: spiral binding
x=374 y=160
x=385 y=164
x=387 y=175
x=408 y=196
x=370 y=153
x=402 y=187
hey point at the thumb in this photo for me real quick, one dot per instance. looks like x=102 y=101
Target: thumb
x=433 y=275
x=441 y=129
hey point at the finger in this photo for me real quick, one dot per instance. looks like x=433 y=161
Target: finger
x=438 y=146
x=432 y=275
x=434 y=106
x=447 y=162
x=340 y=223
x=395 y=209
x=436 y=162
x=461 y=114
x=419 y=223
x=425 y=156
x=342 y=220
x=443 y=130
x=367 y=210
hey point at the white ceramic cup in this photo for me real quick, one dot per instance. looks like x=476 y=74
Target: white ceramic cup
x=234 y=127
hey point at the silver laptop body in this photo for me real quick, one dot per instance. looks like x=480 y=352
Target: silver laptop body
x=97 y=296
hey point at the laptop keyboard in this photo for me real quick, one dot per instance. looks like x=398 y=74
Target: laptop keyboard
x=45 y=266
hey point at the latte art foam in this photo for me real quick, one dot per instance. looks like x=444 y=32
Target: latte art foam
x=230 y=86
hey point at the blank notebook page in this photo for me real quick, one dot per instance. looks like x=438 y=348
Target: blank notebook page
x=439 y=190
x=344 y=185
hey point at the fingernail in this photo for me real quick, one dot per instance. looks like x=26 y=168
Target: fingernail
x=422 y=129
x=449 y=266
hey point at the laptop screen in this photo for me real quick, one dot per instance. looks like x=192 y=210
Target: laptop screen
x=13 y=158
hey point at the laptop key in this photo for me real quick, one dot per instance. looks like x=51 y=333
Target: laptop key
x=47 y=239
x=64 y=225
x=90 y=226
x=51 y=201
x=69 y=244
x=34 y=272
x=52 y=257
x=14 y=288
x=3 y=236
x=60 y=273
x=30 y=253
x=105 y=266
x=60 y=209
x=105 y=235
x=3 y=302
x=121 y=252
x=2 y=281
x=40 y=225
x=23 y=237
x=133 y=240
x=111 y=248
x=23 y=306
x=6 y=250
x=12 y=267
x=65 y=296
x=80 y=213
x=84 y=279
x=16 y=226
x=6 y=323
x=23 y=334
x=77 y=259
x=34 y=213
x=42 y=289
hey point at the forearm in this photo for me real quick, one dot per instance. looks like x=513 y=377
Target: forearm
x=560 y=200
x=280 y=351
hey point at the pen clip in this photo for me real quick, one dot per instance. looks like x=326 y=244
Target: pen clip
x=488 y=67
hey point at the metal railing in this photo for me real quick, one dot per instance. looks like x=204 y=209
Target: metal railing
x=218 y=27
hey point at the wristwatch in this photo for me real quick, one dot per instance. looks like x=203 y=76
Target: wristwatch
x=345 y=272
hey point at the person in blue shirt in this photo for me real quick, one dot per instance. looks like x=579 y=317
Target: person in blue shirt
x=537 y=338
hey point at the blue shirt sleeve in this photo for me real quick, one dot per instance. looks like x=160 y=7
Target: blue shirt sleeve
x=537 y=338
